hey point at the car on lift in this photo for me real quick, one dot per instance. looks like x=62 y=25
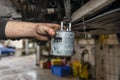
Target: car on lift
x=100 y=16
x=87 y=16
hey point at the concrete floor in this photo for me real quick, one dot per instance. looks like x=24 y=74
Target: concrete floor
x=23 y=68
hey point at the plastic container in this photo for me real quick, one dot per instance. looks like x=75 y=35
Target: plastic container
x=61 y=70
x=76 y=68
x=56 y=62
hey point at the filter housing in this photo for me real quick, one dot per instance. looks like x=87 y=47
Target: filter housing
x=63 y=43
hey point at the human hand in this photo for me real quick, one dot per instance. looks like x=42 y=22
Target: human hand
x=44 y=31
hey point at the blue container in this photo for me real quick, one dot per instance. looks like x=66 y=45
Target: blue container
x=61 y=70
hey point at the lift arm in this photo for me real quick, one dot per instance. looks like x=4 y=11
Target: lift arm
x=89 y=8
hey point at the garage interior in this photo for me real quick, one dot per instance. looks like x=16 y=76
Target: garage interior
x=93 y=44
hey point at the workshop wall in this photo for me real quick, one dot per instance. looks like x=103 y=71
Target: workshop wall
x=107 y=62
x=107 y=59
x=81 y=45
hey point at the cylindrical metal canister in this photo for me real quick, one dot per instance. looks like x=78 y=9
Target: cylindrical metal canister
x=63 y=43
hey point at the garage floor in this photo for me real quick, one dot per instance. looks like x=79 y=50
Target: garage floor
x=23 y=68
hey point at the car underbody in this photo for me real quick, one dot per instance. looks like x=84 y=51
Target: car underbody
x=98 y=16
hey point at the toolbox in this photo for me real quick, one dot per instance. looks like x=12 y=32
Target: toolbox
x=61 y=70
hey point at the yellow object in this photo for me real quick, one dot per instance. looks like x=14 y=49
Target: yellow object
x=76 y=67
x=84 y=74
x=57 y=62
x=103 y=38
x=80 y=70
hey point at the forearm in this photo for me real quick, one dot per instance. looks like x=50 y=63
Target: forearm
x=17 y=29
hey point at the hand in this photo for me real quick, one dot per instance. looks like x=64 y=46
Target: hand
x=45 y=30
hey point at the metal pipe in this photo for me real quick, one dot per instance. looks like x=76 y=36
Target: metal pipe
x=70 y=25
x=62 y=25
x=37 y=54
x=26 y=46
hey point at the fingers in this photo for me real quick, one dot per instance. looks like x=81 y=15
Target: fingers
x=44 y=30
x=51 y=32
x=53 y=26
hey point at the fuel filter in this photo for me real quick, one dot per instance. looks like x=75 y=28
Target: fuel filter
x=63 y=43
